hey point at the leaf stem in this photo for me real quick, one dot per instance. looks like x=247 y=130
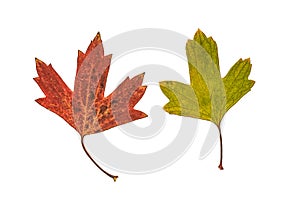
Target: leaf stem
x=87 y=153
x=221 y=149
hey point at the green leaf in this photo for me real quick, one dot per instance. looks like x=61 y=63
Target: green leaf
x=209 y=96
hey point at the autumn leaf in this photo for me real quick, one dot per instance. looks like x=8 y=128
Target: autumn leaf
x=208 y=96
x=86 y=109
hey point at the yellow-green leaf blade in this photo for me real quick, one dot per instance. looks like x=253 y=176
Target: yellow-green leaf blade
x=212 y=95
x=236 y=82
x=182 y=100
x=201 y=90
x=202 y=64
x=209 y=45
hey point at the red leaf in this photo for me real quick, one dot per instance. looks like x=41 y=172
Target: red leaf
x=86 y=109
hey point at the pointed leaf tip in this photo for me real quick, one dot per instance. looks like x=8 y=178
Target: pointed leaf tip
x=140 y=76
x=37 y=61
x=98 y=37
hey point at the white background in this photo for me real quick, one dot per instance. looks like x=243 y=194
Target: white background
x=40 y=154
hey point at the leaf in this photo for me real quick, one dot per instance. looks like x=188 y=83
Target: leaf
x=86 y=109
x=208 y=96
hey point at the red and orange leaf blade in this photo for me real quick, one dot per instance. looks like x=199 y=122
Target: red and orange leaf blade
x=58 y=96
x=86 y=109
